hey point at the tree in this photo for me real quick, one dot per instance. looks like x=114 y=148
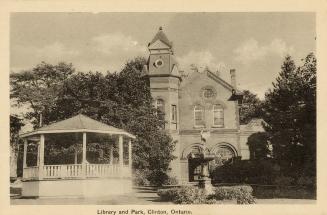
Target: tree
x=290 y=112
x=259 y=146
x=39 y=88
x=251 y=107
x=15 y=126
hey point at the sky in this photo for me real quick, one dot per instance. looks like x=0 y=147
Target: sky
x=254 y=44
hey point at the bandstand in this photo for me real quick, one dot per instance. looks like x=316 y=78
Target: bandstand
x=81 y=177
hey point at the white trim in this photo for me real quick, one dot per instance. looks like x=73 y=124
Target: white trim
x=78 y=130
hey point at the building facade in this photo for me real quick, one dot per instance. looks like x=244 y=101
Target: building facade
x=193 y=106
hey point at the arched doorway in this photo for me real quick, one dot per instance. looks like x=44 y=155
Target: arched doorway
x=194 y=164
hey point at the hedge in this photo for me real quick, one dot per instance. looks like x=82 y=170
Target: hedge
x=195 y=195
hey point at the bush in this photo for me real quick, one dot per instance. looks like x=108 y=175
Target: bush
x=140 y=178
x=195 y=195
x=168 y=194
x=183 y=195
x=250 y=172
x=157 y=177
x=242 y=194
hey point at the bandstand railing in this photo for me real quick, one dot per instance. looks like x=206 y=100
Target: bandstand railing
x=72 y=171
x=31 y=172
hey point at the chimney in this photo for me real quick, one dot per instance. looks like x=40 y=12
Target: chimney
x=233 y=78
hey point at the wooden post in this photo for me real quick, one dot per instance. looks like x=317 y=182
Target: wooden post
x=84 y=156
x=38 y=154
x=24 y=157
x=121 y=158
x=75 y=155
x=41 y=164
x=112 y=154
x=130 y=161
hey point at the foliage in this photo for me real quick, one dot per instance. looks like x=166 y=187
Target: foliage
x=38 y=88
x=251 y=107
x=262 y=171
x=242 y=194
x=184 y=195
x=195 y=195
x=16 y=124
x=122 y=100
x=168 y=194
x=140 y=178
x=290 y=113
x=259 y=145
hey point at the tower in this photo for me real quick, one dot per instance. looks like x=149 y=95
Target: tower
x=162 y=70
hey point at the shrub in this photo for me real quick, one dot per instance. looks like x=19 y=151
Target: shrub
x=242 y=194
x=262 y=172
x=157 y=177
x=168 y=194
x=184 y=195
x=195 y=195
x=140 y=178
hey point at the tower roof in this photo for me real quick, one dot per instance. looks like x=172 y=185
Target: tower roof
x=162 y=37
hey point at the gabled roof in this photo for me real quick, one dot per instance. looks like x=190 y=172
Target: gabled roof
x=78 y=123
x=162 y=37
x=215 y=78
x=219 y=80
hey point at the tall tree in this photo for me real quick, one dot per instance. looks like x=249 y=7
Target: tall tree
x=39 y=88
x=290 y=112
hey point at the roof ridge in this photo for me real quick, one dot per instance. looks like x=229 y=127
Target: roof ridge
x=220 y=79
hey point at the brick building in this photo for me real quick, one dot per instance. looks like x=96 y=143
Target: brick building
x=200 y=102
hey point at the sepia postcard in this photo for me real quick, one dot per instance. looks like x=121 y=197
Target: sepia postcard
x=163 y=108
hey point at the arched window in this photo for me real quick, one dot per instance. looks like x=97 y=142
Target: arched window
x=218 y=116
x=223 y=154
x=198 y=116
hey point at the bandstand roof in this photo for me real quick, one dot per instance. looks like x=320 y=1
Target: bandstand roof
x=78 y=123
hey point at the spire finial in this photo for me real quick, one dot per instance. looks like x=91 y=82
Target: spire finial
x=160 y=28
